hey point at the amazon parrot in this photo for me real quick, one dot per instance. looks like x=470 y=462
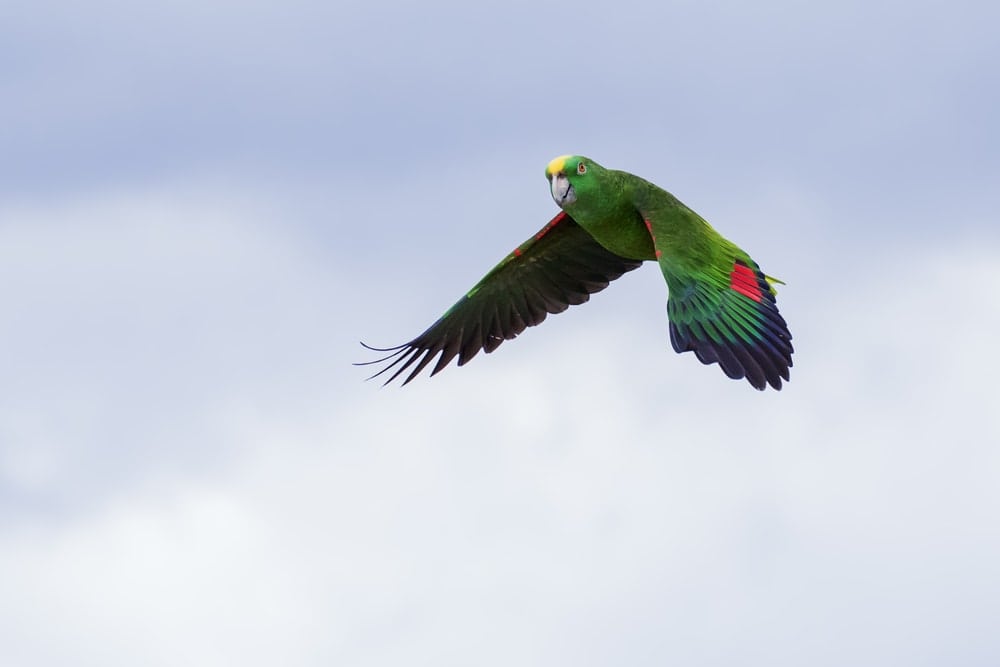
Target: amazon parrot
x=720 y=305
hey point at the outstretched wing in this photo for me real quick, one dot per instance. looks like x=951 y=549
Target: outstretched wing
x=560 y=266
x=731 y=318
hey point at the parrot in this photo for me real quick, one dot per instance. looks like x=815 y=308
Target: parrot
x=720 y=305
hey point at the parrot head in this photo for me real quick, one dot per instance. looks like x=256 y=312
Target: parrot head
x=571 y=177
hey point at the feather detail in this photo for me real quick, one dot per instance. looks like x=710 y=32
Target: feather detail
x=735 y=324
x=560 y=266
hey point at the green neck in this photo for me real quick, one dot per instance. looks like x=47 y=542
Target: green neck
x=611 y=200
x=610 y=215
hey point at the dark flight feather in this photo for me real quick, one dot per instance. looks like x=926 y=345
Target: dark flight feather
x=737 y=326
x=562 y=265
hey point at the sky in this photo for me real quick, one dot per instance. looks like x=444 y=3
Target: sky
x=205 y=207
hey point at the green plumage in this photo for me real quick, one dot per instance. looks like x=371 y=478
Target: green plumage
x=720 y=306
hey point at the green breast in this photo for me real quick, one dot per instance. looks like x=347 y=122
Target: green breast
x=624 y=234
x=610 y=215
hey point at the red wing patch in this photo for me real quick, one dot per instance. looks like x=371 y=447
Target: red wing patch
x=552 y=223
x=744 y=280
x=518 y=251
x=652 y=236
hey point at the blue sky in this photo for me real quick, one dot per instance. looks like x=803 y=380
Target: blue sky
x=204 y=208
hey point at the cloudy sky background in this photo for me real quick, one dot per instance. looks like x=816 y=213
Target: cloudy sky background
x=203 y=208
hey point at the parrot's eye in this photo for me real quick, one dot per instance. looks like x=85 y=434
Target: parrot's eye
x=581 y=168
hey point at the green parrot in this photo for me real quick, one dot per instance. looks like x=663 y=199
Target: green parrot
x=720 y=304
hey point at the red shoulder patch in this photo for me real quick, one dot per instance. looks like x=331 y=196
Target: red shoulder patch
x=744 y=280
x=552 y=223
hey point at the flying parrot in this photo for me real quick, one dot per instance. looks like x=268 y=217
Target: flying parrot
x=720 y=304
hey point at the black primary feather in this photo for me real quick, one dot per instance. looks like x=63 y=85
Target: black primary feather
x=562 y=265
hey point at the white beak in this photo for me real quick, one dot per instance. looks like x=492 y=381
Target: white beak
x=562 y=190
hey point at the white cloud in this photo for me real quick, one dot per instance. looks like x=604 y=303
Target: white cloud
x=134 y=318
x=583 y=495
x=191 y=472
